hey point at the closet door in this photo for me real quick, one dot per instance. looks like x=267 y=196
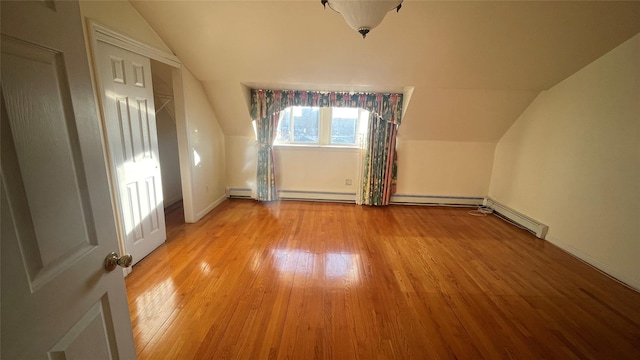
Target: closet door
x=129 y=114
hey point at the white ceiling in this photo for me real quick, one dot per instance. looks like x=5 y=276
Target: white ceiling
x=474 y=66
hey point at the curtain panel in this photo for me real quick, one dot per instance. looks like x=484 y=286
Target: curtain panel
x=266 y=175
x=379 y=170
x=379 y=162
x=265 y=103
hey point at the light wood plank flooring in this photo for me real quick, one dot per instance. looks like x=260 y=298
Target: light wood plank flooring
x=303 y=280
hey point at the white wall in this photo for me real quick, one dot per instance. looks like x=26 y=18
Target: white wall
x=572 y=161
x=442 y=168
x=425 y=168
x=297 y=168
x=241 y=162
x=206 y=148
x=316 y=169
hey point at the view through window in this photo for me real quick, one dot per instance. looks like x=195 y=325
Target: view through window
x=321 y=126
x=299 y=125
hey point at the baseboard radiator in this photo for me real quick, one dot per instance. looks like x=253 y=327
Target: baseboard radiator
x=533 y=226
x=239 y=193
x=330 y=196
x=245 y=193
x=400 y=199
x=350 y=197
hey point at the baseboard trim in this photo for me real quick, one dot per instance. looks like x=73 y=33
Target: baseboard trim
x=434 y=200
x=603 y=268
x=211 y=206
x=535 y=227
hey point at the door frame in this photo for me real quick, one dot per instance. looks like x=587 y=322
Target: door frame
x=98 y=32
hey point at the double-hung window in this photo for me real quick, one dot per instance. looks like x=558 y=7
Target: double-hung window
x=322 y=126
x=299 y=125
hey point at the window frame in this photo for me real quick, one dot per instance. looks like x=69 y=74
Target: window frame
x=356 y=129
x=292 y=127
x=325 y=127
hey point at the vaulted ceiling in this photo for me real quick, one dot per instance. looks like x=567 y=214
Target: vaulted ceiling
x=473 y=66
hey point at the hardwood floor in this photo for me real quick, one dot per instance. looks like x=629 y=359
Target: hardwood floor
x=303 y=280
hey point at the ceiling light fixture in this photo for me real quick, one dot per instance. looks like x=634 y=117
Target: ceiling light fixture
x=363 y=16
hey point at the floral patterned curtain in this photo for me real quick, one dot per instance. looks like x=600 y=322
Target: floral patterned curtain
x=267 y=104
x=379 y=168
x=266 y=177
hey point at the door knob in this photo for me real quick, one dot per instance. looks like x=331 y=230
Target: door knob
x=113 y=260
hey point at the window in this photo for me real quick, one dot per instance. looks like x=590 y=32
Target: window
x=299 y=125
x=344 y=125
x=321 y=126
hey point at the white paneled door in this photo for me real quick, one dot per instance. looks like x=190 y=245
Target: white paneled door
x=57 y=221
x=129 y=113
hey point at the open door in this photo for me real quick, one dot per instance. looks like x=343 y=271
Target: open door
x=130 y=123
x=57 y=223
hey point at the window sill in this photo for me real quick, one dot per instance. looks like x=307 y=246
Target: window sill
x=316 y=147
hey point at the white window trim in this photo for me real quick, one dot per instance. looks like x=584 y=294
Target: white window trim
x=317 y=147
x=324 y=133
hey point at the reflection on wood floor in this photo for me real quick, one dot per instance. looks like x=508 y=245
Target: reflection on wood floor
x=304 y=280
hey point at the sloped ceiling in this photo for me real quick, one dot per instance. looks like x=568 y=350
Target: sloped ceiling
x=474 y=66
